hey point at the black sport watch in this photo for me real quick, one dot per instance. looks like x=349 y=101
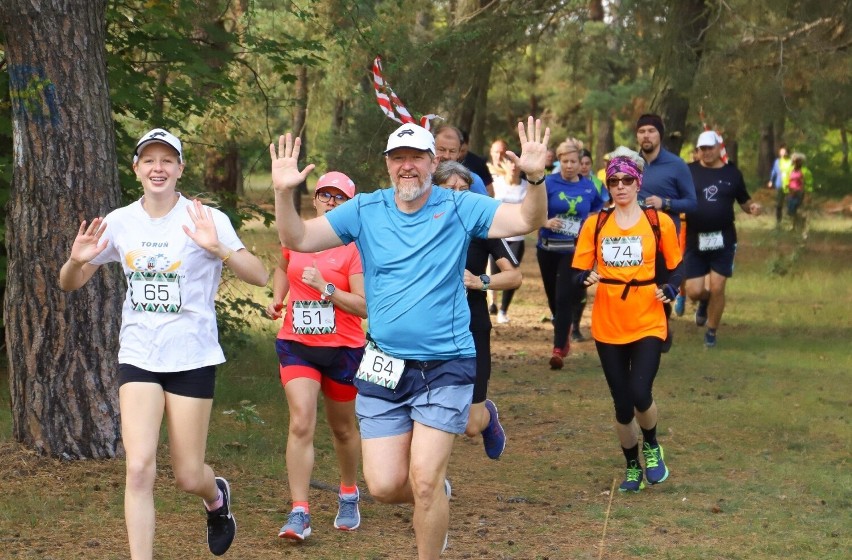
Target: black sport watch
x=486 y=281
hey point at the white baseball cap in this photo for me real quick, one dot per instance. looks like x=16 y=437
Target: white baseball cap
x=708 y=138
x=158 y=135
x=411 y=136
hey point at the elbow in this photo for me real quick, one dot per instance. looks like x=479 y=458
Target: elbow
x=260 y=279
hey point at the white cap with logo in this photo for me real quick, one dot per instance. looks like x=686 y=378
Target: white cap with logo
x=158 y=135
x=708 y=138
x=411 y=136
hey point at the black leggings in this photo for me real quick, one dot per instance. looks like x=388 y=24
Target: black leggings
x=563 y=294
x=517 y=248
x=630 y=370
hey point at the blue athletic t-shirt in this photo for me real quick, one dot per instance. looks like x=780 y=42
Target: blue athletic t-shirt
x=414 y=268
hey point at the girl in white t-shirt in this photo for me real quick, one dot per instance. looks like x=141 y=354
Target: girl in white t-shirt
x=171 y=251
x=509 y=187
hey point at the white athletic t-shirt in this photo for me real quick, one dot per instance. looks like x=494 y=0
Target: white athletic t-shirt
x=168 y=321
x=511 y=194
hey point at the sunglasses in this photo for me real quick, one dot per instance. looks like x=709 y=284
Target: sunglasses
x=325 y=196
x=613 y=182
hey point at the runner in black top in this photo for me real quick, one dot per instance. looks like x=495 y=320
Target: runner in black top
x=711 y=239
x=483 y=417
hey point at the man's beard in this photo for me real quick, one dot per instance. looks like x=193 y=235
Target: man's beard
x=650 y=149
x=409 y=194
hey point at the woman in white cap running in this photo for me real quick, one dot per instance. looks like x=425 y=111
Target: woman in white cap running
x=172 y=251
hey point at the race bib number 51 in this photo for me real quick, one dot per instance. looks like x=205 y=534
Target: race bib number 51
x=157 y=292
x=380 y=368
x=313 y=317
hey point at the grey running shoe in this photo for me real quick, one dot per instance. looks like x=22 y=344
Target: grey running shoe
x=298 y=526
x=348 y=516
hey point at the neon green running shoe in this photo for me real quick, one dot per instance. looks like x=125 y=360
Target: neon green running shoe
x=633 y=480
x=656 y=470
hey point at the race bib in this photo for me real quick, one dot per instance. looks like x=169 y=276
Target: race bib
x=380 y=368
x=622 y=251
x=710 y=241
x=156 y=292
x=313 y=317
x=570 y=225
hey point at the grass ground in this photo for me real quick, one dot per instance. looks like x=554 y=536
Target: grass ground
x=757 y=435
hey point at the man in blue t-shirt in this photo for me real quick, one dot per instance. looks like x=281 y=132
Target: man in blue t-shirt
x=415 y=383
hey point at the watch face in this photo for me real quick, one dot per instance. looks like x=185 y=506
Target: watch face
x=485 y=278
x=329 y=288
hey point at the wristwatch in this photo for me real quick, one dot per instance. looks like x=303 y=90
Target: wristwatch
x=328 y=291
x=486 y=280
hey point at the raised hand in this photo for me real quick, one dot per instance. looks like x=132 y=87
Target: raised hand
x=285 y=163
x=205 y=235
x=88 y=244
x=533 y=148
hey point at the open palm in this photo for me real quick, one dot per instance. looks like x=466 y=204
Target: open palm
x=88 y=244
x=285 y=163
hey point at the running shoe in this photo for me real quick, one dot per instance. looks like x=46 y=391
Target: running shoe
x=502 y=318
x=633 y=479
x=348 y=515
x=448 y=490
x=298 y=526
x=680 y=305
x=221 y=525
x=656 y=470
x=709 y=339
x=492 y=309
x=556 y=361
x=576 y=335
x=493 y=436
x=701 y=313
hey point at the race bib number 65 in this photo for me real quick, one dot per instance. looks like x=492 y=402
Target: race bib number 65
x=380 y=368
x=157 y=292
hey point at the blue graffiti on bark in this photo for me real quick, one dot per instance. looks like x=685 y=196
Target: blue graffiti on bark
x=33 y=95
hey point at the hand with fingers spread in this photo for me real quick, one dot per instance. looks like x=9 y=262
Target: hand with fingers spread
x=88 y=244
x=205 y=235
x=534 y=141
x=285 y=163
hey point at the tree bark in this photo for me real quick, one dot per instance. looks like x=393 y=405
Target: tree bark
x=683 y=39
x=766 y=151
x=300 y=126
x=61 y=347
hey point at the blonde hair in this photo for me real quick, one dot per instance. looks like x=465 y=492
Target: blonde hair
x=568 y=146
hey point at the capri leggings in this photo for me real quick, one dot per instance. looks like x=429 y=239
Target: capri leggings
x=482 y=342
x=630 y=370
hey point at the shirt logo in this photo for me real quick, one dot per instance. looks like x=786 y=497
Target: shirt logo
x=438 y=215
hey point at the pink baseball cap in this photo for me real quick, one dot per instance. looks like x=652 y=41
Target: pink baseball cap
x=337 y=180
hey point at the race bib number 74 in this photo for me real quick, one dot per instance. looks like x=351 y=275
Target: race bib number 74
x=622 y=251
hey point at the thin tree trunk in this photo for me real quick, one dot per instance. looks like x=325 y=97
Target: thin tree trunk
x=62 y=347
x=684 y=37
x=766 y=150
x=844 y=150
x=300 y=126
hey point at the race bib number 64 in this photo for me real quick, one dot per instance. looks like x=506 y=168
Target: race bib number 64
x=380 y=368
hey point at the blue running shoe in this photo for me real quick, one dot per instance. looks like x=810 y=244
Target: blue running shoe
x=221 y=525
x=710 y=339
x=633 y=479
x=656 y=470
x=348 y=516
x=493 y=436
x=680 y=305
x=298 y=526
x=701 y=313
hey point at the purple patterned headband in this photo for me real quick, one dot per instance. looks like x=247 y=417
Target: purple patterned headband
x=624 y=165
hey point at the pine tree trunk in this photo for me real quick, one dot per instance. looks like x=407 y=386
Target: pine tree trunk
x=62 y=347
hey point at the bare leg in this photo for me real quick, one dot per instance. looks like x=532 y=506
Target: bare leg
x=302 y=394
x=347 y=438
